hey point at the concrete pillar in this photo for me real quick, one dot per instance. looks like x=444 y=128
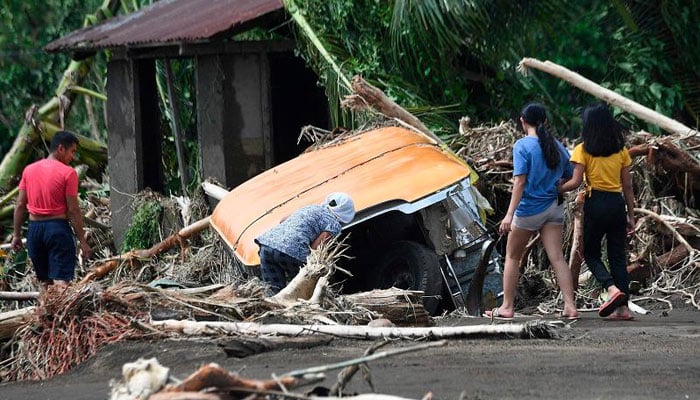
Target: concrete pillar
x=233 y=116
x=134 y=137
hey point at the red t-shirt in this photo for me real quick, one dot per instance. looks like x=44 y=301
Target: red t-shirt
x=47 y=183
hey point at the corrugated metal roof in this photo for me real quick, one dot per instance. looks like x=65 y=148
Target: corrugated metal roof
x=167 y=21
x=375 y=167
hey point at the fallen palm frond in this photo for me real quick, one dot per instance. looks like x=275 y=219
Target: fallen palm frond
x=70 y=327
x=84 y=318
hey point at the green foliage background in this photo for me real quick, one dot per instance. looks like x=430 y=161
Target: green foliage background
x=440 y=59
x=27 y=73
x=446 y=59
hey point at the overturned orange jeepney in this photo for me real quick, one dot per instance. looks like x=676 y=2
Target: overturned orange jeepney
x=418 y=223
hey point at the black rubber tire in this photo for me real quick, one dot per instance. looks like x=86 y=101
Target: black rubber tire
x=411 y=265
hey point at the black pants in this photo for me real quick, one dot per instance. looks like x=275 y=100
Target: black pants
x=604 y=215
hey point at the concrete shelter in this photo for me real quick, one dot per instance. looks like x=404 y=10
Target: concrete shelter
x=252 y=97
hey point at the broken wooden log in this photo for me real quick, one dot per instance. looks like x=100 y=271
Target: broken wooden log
x=12 y=320
x=576 y=255
x=214 y=376
x=607 y=95
x=214 y=190
x=672 y=258
x=372 y=96
x=539 y=329
x=302 y=286
x=307 y=284
x=668 y=226
x=177 y=238
x=402 y=307
x=241 y=347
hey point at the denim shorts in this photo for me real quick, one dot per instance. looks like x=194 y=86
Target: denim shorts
x=554 y=214
x=51 y=247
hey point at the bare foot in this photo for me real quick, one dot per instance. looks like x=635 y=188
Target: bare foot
x=497 y=313
x=622 y=313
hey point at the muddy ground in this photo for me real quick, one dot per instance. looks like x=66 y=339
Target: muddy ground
x=656 y=356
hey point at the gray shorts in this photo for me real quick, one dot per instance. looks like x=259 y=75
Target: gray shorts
x=554 y=214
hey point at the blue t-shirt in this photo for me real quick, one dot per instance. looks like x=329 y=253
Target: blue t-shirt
x=541 y=182
x=295 y=234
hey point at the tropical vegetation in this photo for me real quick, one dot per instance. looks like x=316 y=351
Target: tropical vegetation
x=440 y=59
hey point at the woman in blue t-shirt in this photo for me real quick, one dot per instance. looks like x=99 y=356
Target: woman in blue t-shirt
x=539 y=163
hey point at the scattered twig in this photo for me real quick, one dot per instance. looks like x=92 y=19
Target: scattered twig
x=364 y=359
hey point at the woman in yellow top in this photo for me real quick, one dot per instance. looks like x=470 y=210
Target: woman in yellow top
x=609 y=207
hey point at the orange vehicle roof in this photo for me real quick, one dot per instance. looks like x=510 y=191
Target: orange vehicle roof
x=374 y=167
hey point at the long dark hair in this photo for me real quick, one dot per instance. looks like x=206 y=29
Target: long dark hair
x=536 y=115
x=601 y=133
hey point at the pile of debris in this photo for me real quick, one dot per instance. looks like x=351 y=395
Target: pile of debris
x=666 y=178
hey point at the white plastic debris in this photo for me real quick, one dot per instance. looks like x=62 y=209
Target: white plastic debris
x=142 y=378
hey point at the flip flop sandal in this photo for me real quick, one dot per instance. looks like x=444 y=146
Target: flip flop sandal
x=495 y=315
x=617 y=300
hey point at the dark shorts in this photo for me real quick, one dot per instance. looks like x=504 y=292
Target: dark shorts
x=277 y=268
x=51 y=246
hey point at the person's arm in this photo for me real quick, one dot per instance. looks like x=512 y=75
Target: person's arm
x=18 y=219
x=322 y=238
x=75 y=216
x=628 y=193
x=575 y=180
x=517 y=194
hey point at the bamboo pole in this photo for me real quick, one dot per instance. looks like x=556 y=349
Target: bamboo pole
x=16 y=296
x=607 y=95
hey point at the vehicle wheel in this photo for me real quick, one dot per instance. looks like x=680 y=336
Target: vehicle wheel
x=411 y=265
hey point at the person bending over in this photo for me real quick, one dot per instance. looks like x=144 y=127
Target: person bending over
x=284 y=248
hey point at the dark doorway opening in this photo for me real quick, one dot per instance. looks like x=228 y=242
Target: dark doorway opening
x=297 y=101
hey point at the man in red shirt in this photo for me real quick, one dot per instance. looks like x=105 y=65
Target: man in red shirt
x=49 y=191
